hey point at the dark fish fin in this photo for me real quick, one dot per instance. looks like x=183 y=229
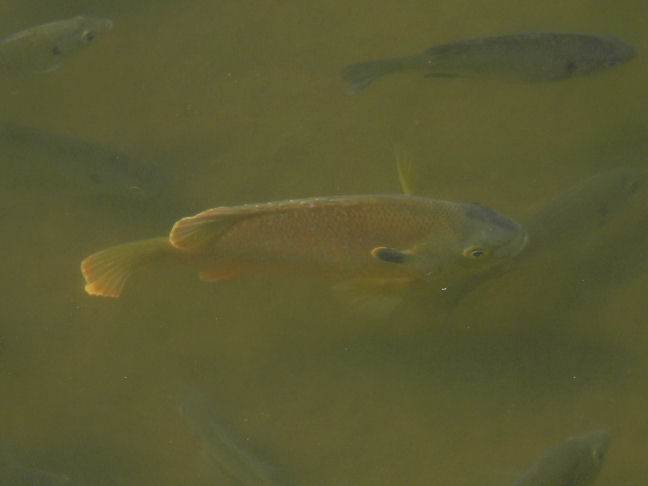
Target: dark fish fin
x=361 y=75
x=106 y=272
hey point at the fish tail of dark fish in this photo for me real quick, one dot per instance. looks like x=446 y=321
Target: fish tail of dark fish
x=361 y=75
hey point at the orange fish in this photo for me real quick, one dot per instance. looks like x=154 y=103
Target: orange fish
x=374 y=242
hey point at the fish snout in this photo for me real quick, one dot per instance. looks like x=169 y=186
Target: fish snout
x=514 y=246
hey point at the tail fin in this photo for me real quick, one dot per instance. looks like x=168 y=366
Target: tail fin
x=106 y=271
x=361 y=75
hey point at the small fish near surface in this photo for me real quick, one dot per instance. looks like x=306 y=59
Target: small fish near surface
x=45 y=47
x=575 y=462
x=526 y=58
x=226 y=450
x=365 y=244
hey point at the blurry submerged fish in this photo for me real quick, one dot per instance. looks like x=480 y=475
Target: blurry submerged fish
x=374 y=243
x=564 y=228
x=229 y=454
x=35 y=158
x=45 y=47
x=575 y=462
x=528 y=58
x=584 y=208
x=22 y=476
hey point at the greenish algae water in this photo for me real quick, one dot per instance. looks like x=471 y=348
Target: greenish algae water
x=240 y=102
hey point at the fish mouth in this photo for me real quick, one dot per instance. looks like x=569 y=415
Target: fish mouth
x=514 y=247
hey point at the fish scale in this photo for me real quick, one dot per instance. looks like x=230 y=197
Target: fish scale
x=321 y=234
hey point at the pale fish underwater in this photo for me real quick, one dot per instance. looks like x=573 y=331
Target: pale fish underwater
x=45 y=47
x=575 y=462
x=527 y=58
x=225 y=449
x=372 y=244
x=583 y=208
x=44 y=160
x=584 y=246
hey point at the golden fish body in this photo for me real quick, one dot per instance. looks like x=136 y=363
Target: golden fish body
x=374 y=239
x=341 y=237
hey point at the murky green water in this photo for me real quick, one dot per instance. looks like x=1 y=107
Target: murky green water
x=237 y=102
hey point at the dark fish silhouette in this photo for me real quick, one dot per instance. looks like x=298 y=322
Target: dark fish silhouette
x=527 y=58
x=575 y=462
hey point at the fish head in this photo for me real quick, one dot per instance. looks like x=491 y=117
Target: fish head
x=488 y=238
x=481 y=239
x=599 y=441
x=607 y=52
x=77 y=34
x=594 y=445
x=587 y=454
x=618 y=52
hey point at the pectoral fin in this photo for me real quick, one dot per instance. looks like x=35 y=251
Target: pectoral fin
x=375 y=297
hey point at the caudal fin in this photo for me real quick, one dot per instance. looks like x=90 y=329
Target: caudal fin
x=106 y=271
x=361 y=75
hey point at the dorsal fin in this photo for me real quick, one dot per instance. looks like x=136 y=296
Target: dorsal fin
x=195 y=231
x=407 y=174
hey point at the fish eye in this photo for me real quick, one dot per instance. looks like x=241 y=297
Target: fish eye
x=56 y=51
x=87 y=36
x=474 y=252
